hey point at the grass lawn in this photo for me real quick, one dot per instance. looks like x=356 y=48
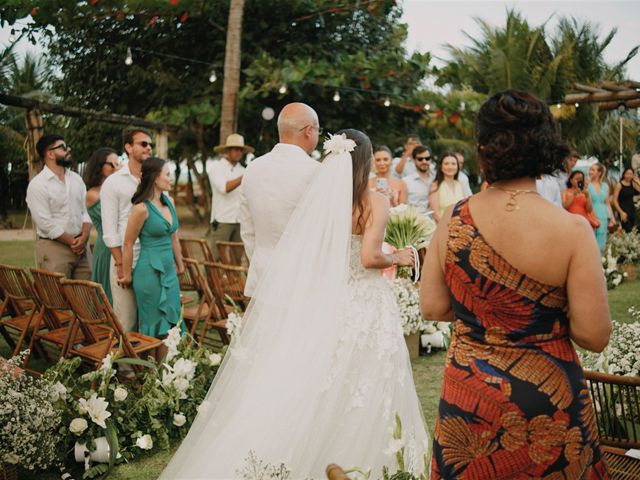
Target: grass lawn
x=427 y=371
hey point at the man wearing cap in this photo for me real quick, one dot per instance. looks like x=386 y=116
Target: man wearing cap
x=225 y=176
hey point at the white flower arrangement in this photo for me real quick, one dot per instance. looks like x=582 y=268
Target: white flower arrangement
x=234 y=323
x=626 y=246
x=29 y=420
x=171 y=341
x=145 y=442
x=120 y=394
x=78 y=425
x=179 y=419
x=622 y=355
x=408 y=301
x=613 y=276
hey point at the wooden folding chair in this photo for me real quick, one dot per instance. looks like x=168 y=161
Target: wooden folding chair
x=192 y=280
x=54 y=313
x=232 y=253
x=197 y=249
x=616 y=400
x=229 y=282
x=19 y=306
x=94 y=314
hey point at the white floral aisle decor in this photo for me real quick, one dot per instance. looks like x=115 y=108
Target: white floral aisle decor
x=29 y=419
x=625 y=246
x=408 y=227
x=103 y=420
x=622 y=355
x=434 y=334
x=611 y=271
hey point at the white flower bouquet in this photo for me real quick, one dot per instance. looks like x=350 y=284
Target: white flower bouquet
x=408 y=227
x=29 y=420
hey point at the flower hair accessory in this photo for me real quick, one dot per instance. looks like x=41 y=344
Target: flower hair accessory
x=338 y=144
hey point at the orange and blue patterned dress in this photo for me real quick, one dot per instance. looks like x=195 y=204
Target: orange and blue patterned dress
x=514 y=402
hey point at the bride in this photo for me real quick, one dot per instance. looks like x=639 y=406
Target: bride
x=320 y=368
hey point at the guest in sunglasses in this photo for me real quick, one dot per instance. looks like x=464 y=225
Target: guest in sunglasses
x=115 y=197
x=103 y=162
x=56 y=201
x=418 y=183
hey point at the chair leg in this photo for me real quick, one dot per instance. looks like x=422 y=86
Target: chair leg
x=33 y=339
x=23 y=334
x=7 y=337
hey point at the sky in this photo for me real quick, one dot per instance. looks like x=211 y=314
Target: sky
x=433 y=24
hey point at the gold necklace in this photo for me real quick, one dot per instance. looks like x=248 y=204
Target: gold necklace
x=512 y=203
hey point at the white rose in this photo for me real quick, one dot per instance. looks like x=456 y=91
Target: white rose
x=78 y=425
x=145 y=442
x=215 y=359
x=107 y=362
x=120 y=394
x=179 y=419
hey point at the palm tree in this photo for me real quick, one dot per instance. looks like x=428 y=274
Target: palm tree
x=231 y=87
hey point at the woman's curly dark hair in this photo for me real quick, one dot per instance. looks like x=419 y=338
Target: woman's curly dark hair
x=93 y=169
x=517 y=137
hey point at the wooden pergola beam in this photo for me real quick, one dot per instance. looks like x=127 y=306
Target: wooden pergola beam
x=106 y=117
x=620 y=96
x=603 y=106
x=588 y=89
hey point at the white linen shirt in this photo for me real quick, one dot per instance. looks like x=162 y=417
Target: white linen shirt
x=115 y=205
x=464 y=181
x=225 y=206
x=57 y=207
x=418 y=190
x=549 y=189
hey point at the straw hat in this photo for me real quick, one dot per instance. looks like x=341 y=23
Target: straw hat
x=234 y=140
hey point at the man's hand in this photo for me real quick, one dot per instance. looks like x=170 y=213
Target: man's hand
x=79 y=244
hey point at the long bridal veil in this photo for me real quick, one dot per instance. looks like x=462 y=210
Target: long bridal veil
x=270 y=395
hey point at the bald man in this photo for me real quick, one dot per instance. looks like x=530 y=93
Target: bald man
x=273 y=185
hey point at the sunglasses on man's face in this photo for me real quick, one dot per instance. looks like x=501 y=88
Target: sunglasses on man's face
x=63 y=146
x=145 y=144
x=423 y=159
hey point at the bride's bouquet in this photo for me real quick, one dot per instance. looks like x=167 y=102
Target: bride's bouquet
x=408 y=227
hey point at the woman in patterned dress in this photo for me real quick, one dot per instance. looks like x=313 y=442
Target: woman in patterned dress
x=514 y=401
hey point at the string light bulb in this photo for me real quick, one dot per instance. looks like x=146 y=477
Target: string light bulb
x=427 y=107
x=558 y=106
x=577 y=104
x=129 y=59
x=213 y=77
x=387 y=102
x=282 y=89
x=336 y=96
x=12 y=36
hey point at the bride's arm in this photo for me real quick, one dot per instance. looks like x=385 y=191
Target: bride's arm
x=435 y=298
x=373 y=236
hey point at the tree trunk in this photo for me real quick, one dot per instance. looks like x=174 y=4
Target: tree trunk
x=231 y=86
x=34 y=133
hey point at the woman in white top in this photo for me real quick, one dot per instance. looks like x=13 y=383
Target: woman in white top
x=445 y=190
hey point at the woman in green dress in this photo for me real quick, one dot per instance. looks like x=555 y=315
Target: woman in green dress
x=153 y=219
x=103 y=162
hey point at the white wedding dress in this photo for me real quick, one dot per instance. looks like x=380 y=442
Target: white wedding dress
x=320 y=368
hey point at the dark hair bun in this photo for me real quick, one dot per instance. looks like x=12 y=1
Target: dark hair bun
x=517 y=137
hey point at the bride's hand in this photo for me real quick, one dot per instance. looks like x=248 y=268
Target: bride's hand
x=405 y=257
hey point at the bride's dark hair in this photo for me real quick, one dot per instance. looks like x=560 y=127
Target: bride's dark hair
x=361 y=161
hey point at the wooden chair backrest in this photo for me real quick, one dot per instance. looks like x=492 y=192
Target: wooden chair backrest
x=616 y=400
x=92 y=309
x=189 y=279
x=232 y=253
x=16 y=286
x=229 y=280
x=48 y=288
x=214 y=289
x=197 y=249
